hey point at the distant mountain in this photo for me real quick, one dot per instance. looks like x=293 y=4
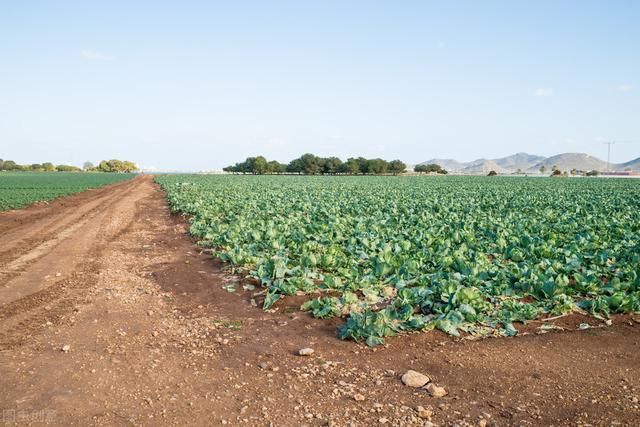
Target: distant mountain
x=517 y=161
x=568 y=161
x=484 y=166
x=529 y=163
x=448 y=164
x=633 y=165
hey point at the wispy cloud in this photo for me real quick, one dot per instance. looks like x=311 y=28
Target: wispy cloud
x=543 y=92
x=94 y=55
x=624 y=87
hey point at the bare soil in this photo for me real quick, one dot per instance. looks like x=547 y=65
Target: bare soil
x=154 y=338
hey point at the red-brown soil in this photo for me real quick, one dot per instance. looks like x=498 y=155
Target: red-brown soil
x=155 y=339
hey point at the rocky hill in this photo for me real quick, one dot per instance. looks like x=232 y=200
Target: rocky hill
x=529 y=163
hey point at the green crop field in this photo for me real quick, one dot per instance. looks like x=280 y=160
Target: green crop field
x=396 y=254
x=19 y=189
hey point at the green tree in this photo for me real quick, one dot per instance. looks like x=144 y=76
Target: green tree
x=115 y=165
x=364 y=165
x=376 y=166
x=542 y=169
x=397 y=166
x=310 y=164
x=429 y=168
x=9 y=165
x=260 y=166
x=276 y=167
x=88 y=166
x=351 y=166
x=295 y=166
x=67 y=168
x=331 y=165
x=256 y=165
x=48 y=167
x=129 y=166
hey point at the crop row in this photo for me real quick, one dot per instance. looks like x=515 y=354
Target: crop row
x=19 y=189
x=395 y=254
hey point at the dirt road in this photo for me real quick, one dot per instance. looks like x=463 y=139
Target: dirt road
x=110 y=315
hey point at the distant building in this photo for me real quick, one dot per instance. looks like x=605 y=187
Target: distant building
x=621 y=173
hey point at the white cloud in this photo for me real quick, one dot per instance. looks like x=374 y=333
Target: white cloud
x=94 y=55
x=624 y=87
x=544 y=92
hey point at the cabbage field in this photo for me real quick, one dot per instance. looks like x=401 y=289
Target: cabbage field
x=473 y=255
x=19 y=189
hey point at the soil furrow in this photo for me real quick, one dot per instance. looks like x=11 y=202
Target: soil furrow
x=115 y=317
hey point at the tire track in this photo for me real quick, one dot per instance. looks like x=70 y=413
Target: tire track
x=20 y=237
x=32 y=297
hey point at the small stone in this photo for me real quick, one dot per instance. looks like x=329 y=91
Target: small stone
x=66 y=348
x=423 y=413
x=150 y=313
x=263 y=365
x=306 y=351
x=482 y=423
x=358 y=397
x=414 y=379
x=383 y=420
x=436 y=391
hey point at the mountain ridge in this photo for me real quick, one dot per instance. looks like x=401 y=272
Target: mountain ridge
x=531 y=163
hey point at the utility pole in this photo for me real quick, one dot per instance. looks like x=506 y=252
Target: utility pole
x=609 y=144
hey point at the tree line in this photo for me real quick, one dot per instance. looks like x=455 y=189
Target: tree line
x=104 y=166
x=310 y=164
x=430 y=168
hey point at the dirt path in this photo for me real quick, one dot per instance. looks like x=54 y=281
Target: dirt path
x=154 y=338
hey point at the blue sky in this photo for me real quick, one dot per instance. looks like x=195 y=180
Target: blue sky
x=198 y=85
